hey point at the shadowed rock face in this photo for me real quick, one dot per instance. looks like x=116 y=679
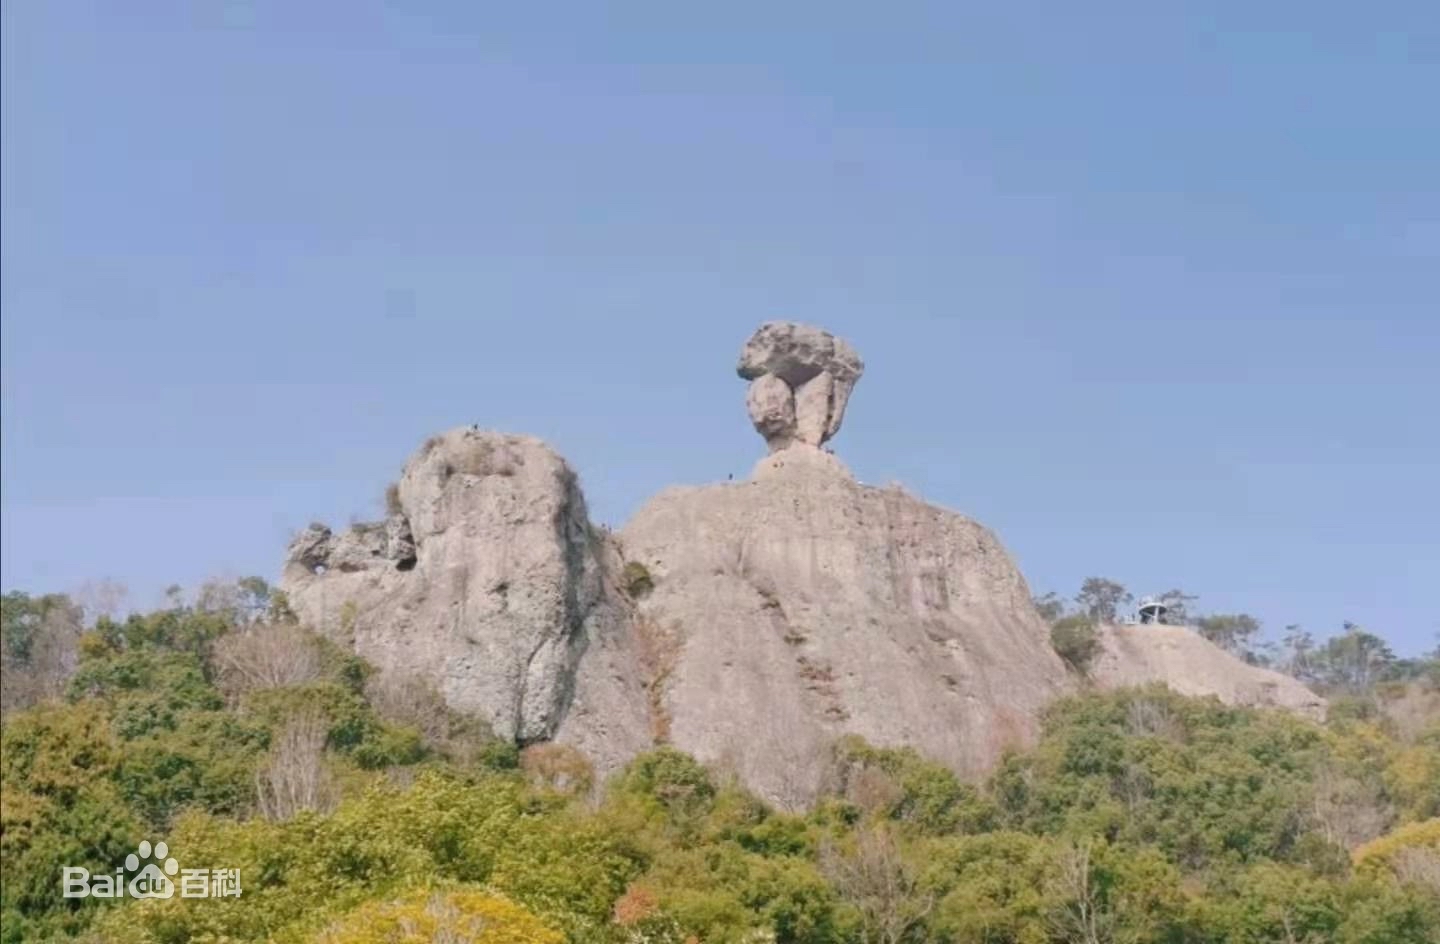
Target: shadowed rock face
x=800 y=380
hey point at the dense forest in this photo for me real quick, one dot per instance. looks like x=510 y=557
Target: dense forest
x=357 y=808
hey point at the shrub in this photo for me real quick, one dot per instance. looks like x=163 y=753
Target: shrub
x=413 y=702
x=557 y=767
x=636 y=580
x=1076 y=640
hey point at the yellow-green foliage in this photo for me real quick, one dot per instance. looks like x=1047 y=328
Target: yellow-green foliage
x=306 y=871
x=1140 y=817
x=456 y=916
x=1387 y=854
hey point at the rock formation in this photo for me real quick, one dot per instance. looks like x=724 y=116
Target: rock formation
x=748 y=623
x=802 y=606
x=800 y=380
x=1192 y=665
x=487 y=579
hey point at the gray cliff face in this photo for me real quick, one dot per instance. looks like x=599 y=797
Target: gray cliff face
x=748 y=623
x=486 y=579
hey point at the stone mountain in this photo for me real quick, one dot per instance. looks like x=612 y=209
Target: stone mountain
x=747 y=623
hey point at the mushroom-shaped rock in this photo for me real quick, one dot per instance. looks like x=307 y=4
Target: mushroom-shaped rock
x=800 y=380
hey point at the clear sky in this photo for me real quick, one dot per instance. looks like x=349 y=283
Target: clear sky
x=1153 y=290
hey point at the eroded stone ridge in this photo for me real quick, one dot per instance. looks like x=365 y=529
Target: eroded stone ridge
x=800 y=380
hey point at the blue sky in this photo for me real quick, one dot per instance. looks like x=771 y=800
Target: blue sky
x=1154 y=293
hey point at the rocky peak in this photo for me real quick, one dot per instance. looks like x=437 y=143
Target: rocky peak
x=484 y=578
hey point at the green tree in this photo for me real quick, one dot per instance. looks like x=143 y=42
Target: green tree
x=1354 y=660
x=1101 y=599
x=1233 y=632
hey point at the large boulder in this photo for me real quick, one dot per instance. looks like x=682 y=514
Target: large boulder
x=800 y=380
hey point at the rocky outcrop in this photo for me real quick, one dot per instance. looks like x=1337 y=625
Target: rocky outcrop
x=487 y=578
x=1192 y=665
x=800 y=380
x=749 y=623
x=801 y=606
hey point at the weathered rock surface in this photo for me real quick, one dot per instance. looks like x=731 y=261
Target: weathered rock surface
x=802 y=606
x=487 y=579
x=801 y=378
x=1192 y=665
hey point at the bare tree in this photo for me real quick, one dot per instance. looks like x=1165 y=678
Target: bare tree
x=412 y=700
x=408 y=699
x=1081 y=916
x=294 y=776
x=1418 y=865
x=99 y=598
x=266 y=656
x=873 y=875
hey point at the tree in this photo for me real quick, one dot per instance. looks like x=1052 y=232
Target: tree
x=1080 y=915
x=1354 y=660
x=266 y=656
x=254 y=598
x=295 y=776
x=1177 y=606
x=1101 y=599
x=1297 y=652
x=1050 y=607
x=39 y=637
x=1230 y=631
x=872 y=874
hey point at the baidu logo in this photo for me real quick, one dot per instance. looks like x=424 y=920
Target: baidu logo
x=150 y=872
